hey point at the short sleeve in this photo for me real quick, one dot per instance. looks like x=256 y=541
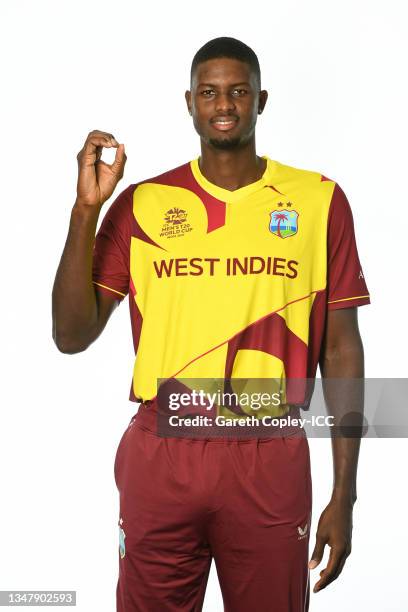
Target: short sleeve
x=346 y=284
x=111 y=252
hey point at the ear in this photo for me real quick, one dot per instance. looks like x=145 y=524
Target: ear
x=263 y=96
x=187 y=96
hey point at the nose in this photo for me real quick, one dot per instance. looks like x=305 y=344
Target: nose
x=224 y=103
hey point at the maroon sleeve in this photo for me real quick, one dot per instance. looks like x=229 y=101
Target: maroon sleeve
x=345 y=280
x=111 y=254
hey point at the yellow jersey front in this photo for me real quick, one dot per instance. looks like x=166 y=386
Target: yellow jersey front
x=228 y=284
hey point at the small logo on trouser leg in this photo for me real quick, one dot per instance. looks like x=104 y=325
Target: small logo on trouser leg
x=302 y=531
x=122 y=536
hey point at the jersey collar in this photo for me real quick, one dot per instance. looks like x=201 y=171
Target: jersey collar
x=225 y=194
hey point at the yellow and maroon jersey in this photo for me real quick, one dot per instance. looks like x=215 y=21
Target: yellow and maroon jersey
x=228 y=284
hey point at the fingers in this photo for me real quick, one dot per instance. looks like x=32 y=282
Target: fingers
x=94 y=143
x=337 y=559
x=318 y=551
x=119 y=162
x=97 y=179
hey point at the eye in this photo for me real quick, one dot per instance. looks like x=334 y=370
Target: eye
x=207 y=91
x=241 y=91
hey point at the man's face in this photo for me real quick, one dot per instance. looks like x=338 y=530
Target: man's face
x=224 y=102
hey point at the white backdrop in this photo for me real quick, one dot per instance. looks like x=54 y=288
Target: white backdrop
x=336 y=77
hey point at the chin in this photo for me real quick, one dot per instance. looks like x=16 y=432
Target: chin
x=224 y=143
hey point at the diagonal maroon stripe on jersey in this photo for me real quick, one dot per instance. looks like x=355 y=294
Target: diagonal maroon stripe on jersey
x=270 y=335
x=294 y=351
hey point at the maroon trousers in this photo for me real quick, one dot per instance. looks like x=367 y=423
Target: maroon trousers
x=247 y=504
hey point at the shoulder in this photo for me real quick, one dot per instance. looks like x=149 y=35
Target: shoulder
x=122 y=200
x=173 y=177
x=318 y=183
x=118 y=213
x=303 y=175
x=122 y=209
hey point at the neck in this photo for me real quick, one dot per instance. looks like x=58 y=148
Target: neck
x=231 y=169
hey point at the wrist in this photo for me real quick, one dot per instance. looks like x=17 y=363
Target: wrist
x=80 y=208
x=344 y=496
x=84 y=218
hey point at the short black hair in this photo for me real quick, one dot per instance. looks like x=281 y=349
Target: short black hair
x=226 y=46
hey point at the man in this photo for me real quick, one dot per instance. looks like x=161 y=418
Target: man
x=236 y=266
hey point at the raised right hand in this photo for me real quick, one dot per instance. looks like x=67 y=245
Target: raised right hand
x=96 y=179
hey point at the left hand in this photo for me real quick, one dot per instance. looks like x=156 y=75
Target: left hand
x=335 y=529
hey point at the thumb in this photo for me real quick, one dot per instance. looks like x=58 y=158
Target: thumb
x=317 y=553
x=120 y=160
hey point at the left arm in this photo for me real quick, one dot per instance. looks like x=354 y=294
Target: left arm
x=342 y=356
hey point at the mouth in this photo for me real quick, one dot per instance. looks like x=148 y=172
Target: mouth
x=224 y=123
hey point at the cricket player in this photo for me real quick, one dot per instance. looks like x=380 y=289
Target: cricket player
x=235 y=266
